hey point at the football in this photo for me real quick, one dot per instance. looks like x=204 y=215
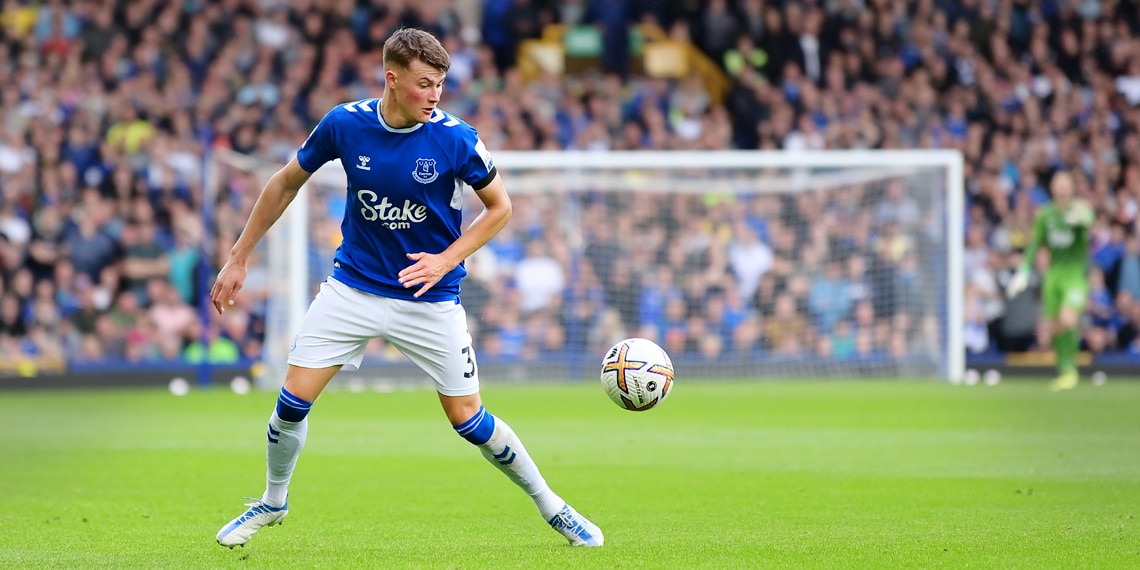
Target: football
x=637 y=374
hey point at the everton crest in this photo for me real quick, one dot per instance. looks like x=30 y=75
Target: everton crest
x=425 y=171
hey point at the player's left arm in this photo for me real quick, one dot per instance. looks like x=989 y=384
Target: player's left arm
x=429 y=268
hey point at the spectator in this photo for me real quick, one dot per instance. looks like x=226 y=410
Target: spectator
x=12 y=317
x=87 y=313
x=842 y=340
x=143 y=258
x=622 y=293
x=830 y=299
x=717 y=30
x=1108 y=252
x=130 y=131
x=47 y=242
x=90 y=247
x=898 y=207
x=184 y=255
x=215 y=349
x=511 y=332
x=538 y=277
x=111 y=337
x=1128 y=323
x=613 y=17
x=110 y=281
x=749 y=258
x=976 y=334
x=673 y=330
x=167 y=311
x=785 y=324
x=1128 y=274
x=1100 y=307
x=608 y=331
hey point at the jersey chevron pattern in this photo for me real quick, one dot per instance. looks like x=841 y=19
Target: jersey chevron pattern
x=405 y=192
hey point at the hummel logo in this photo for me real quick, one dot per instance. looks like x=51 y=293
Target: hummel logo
x=440 y=116
x=364 y=160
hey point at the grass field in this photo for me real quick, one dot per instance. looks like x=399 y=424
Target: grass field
x=764 y=475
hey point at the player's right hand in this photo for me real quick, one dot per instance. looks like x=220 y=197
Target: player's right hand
x=226 y=287
x=1017 y=283
x=1080 y=213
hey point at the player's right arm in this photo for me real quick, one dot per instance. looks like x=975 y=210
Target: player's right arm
x=1020 y=280
x=275 y=197
x=1035 y=240
x=319 y=148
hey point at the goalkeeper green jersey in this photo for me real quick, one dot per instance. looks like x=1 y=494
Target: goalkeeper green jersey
x=1068 y=243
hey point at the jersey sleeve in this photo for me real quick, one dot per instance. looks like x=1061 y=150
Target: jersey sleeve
x=319 y=148
x=1035 y=239
x=475 y=166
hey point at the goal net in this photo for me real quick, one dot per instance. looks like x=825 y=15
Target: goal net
x=741 y=265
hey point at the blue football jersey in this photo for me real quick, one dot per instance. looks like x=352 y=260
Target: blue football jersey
x=405 y=192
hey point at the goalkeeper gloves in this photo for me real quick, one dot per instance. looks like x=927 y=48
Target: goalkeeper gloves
x=1017 y=283
x=1080 y=213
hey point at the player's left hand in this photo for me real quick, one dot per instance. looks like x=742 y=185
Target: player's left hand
x=427 y=270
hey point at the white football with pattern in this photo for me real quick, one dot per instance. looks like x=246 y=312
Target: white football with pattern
x=637 y=374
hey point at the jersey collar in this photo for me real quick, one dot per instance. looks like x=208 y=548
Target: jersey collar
x=391 y=129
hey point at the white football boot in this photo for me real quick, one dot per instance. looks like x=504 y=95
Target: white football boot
x=576 y=529
x=240 y=530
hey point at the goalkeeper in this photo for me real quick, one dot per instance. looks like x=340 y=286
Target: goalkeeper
x=1063 y=226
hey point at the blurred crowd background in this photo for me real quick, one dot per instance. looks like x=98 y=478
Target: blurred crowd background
x=108 y=107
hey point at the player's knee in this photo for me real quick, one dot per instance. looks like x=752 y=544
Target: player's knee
x=1067 y=320
x=478 y=428
x=290 y=408
x=459 y=409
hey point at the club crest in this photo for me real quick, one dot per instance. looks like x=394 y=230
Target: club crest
x=425 y=171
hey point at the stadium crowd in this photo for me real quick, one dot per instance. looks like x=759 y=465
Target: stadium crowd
x=108 y=107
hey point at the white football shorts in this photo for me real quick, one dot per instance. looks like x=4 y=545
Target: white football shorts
x=434 y=336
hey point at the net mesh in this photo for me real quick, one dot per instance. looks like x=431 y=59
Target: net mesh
x=737 y=271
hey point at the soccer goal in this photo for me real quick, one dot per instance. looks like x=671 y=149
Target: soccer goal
x=844 y=264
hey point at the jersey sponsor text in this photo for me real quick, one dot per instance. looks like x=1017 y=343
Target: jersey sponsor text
x=374 y=208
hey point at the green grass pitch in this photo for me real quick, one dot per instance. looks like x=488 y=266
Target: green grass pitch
x=829 y=474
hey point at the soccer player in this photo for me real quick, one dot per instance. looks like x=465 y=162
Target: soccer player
x=1063 y=226
x=396 y=274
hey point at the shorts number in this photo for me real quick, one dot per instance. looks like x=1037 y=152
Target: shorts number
x=470 y=363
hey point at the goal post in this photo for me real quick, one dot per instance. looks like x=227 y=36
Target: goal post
x=864 y=246
x=281 y=269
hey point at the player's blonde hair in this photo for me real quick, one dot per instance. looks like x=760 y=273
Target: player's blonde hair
x=406 y=45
